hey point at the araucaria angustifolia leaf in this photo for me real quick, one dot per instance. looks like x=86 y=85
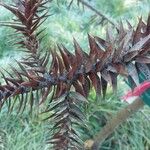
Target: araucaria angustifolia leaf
x=66 y=76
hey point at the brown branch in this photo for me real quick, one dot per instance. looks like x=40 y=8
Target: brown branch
x=122 y=115
x=97 y=12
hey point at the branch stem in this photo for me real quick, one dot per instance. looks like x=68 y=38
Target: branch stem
x=97 y=12
x=121 y=116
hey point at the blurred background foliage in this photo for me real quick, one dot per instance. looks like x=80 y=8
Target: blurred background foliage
x=64 y=23
x=21 y=132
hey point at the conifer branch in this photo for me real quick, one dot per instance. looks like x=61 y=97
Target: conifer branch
x=61 y=71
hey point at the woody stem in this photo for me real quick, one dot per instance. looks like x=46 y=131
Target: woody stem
x=121 y=116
